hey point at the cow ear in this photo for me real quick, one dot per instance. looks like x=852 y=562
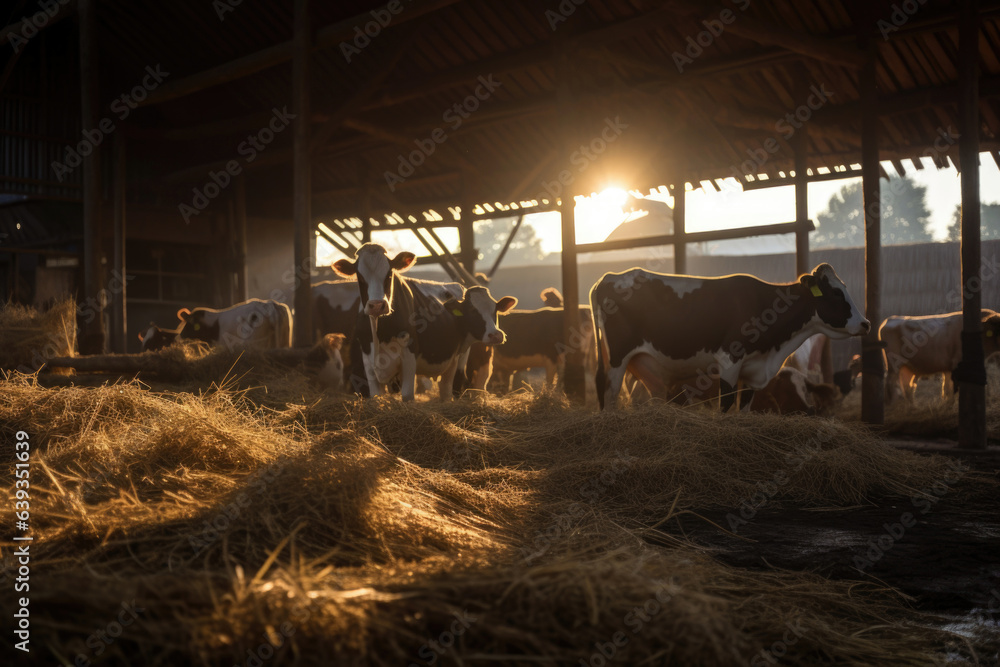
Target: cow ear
x=506 y=303
x=403 y=261
x=454 y=306
x=335 y=341
x=344 y=267
x=183 y=314
x=140 y=338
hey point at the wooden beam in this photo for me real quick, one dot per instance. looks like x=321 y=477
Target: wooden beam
x=119 y=313
x=506 y=246
x=302 y=177
x=761 y=31
x=872 y=361
x=16 y=31
x=680 y=235
x=92 y=338
x=695 y=237
x=970 y=376
x=329 y=37
x=240 y=224
x=574 y=382
x=800 y=142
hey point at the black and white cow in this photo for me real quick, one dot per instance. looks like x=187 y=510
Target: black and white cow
x=666 y=328
x=156 y=338
x=436 y=334
x=255 y=323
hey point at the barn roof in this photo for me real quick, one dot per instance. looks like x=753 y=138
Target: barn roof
x=645 y=91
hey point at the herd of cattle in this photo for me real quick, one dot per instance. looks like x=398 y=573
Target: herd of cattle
x=681 y=338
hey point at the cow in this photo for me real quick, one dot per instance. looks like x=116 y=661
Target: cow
x=664 y=328
x=792 y=392
x=535 y=339
x=255 y=323
x=335 y=307
x=439 y=331
x=156 y=338
x=845 y=379
x=926 y=345
x=814 y=358
x=325 y=363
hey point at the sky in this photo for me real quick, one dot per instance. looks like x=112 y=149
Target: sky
x=598 y=215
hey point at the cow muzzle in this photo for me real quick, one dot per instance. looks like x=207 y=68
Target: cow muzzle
x=376 y=308
x=496 y=338
x=864 y=327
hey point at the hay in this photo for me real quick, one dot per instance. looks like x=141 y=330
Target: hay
x=28 y=338
x=356 y=532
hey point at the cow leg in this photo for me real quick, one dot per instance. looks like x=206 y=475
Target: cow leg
x=746 y=395
x=727 y=395
x=550 y=374
x=947 y=388
x=616 y=376
x=448 y=380
x=408 y=362
x=892 y=380
x=375 y=388
x=907 y=383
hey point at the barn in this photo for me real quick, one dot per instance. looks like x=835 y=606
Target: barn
x=220 y=506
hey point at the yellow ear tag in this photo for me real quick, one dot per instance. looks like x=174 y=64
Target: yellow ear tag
x=457 y=313
x=816 y=291
x=989 y=334
x=197 y=327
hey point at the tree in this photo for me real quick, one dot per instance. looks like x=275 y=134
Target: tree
x=989 y=224
x=904 y=216
x=492 y=234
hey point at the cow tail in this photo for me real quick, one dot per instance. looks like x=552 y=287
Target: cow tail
x=601 y=375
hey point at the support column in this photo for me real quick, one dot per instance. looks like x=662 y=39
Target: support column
x=970 y=376
x=679 y=192
x=872 y=361
x=801 y=141
x=240 y=231
x=119 y=314
x=573 y=377
x=467 y=239
x=301 y=177
x=92 y=336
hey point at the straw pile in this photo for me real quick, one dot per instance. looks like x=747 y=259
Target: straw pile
x=28 y=337
x=928 y=415
x=510 y=531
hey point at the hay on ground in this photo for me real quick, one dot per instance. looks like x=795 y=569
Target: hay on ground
x=29 y=337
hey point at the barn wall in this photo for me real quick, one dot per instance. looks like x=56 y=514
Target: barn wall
x=270 y=257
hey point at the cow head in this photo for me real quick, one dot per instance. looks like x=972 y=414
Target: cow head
x=834 y=306
x=193 y=325
x=156 y=338
x=330 y=361
x=991 y=334
x=374 y=271
x=479 y=313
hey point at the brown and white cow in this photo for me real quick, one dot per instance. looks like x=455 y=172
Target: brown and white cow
x=792 y=392
x=535 y=339
x=664 y=328
x=926 y=345
x=814 y=358
x=255 y=323
x=437 y=334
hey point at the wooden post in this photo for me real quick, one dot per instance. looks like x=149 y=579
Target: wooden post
x=573 y=379
x=679 y=191
x=92 y=336
x=467 y=239
x=301 y=177
x=872 y=361
x=119 y=314
x=970 y=376
x=801 y=142
x=240 y=231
